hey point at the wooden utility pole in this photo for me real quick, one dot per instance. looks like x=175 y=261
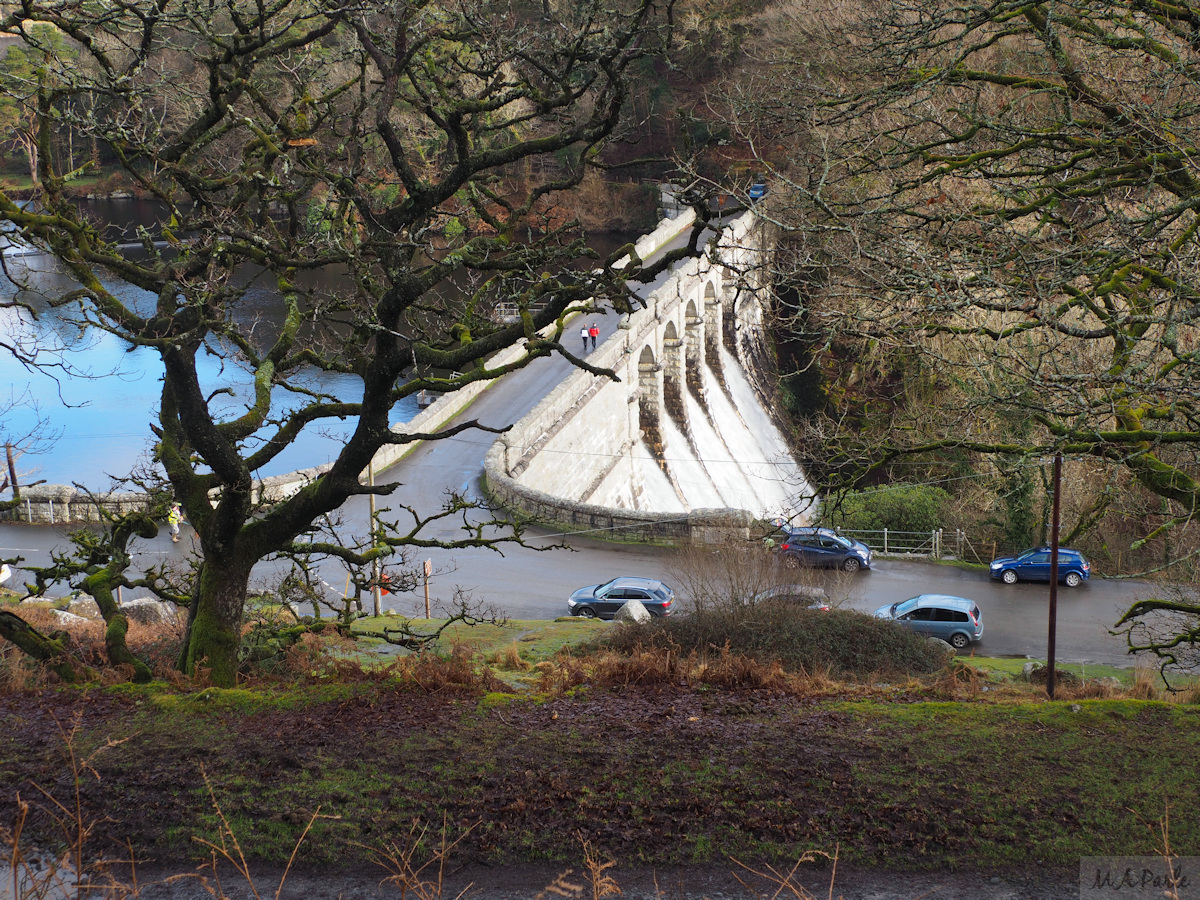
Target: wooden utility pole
x=428 y=571
x=1053 y=575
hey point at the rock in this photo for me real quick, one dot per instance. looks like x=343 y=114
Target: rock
x=1075 y=707
x=147 y=611
x=84 y=605
x=1027 y=670
x=67 y=619
x=941 y=645
x=632 y=611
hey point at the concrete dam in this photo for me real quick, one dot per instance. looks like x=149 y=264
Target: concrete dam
x=681 y=448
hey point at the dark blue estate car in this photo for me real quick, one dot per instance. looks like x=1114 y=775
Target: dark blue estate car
x=821 y=548
x=1034 y=565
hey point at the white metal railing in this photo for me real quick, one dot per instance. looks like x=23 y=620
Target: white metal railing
x=936 y=544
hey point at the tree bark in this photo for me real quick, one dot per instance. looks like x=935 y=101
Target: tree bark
x=12 y=474
x=215 y=623
x=50 y=650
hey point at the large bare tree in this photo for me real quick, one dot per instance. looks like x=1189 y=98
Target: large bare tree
x=394 y=141
x=990 y=206
x=989 y=211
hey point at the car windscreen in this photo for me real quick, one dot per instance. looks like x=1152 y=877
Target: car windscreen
x=604 y=587
x=906 y=606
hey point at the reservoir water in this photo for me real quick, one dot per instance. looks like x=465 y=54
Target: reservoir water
x=97 y=396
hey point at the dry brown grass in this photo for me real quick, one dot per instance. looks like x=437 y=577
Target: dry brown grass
x=1189 y=694
x=156 y=644
x=656 y=666
x=17 y=671
x=509 y=659
x=959 y=679
x=461 y=670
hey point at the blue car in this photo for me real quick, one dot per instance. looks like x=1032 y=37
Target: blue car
x=1034 y=565
x=955 y=620
x=821 y=548
x=758 y=190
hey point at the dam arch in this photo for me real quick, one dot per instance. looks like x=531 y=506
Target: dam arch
x=680 y=448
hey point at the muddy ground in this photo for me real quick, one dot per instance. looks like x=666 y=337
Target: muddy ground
x=670 y=785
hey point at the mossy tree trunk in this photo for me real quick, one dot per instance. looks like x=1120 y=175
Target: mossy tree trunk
x=100 y=585
x=51 y=650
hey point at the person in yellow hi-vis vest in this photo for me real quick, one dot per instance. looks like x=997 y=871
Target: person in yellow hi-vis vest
x=174 y=517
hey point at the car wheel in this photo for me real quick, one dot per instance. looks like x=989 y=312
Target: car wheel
x=1008 y=576
x=1073 y=579
x=851 y=564
x=959 y=640
x=791 y=561
x=586 y=611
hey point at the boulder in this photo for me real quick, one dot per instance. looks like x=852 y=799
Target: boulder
x=84 y=605
x=633 y=611
x=941 y=645
x=67 y=619
x=147 y=611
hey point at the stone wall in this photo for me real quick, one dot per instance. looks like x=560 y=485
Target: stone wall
x=699 y=526
x=63 y=504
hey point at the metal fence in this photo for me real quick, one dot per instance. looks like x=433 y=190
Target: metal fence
x=935 y=544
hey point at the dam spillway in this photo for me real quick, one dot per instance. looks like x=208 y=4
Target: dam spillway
x=681 y=447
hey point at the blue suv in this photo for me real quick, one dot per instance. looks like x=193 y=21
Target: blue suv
x=1034 y=565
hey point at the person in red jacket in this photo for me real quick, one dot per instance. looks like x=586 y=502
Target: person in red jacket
x=594 y=331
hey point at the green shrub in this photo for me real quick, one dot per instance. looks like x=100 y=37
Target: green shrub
x=840 y=642
x=900 y=507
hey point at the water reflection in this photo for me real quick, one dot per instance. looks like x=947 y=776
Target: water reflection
x=99 y=396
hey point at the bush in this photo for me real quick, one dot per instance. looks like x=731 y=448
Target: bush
x=900 y=507
x=838 y=642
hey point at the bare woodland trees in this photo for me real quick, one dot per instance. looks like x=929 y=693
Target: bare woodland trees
x=992 y=219
x=309 y=134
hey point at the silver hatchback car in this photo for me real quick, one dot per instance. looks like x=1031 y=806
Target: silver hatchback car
x=955 y=620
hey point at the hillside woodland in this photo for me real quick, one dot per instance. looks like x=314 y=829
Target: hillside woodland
x=988 y=255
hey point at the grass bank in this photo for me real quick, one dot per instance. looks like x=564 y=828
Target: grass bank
x=654 y=773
